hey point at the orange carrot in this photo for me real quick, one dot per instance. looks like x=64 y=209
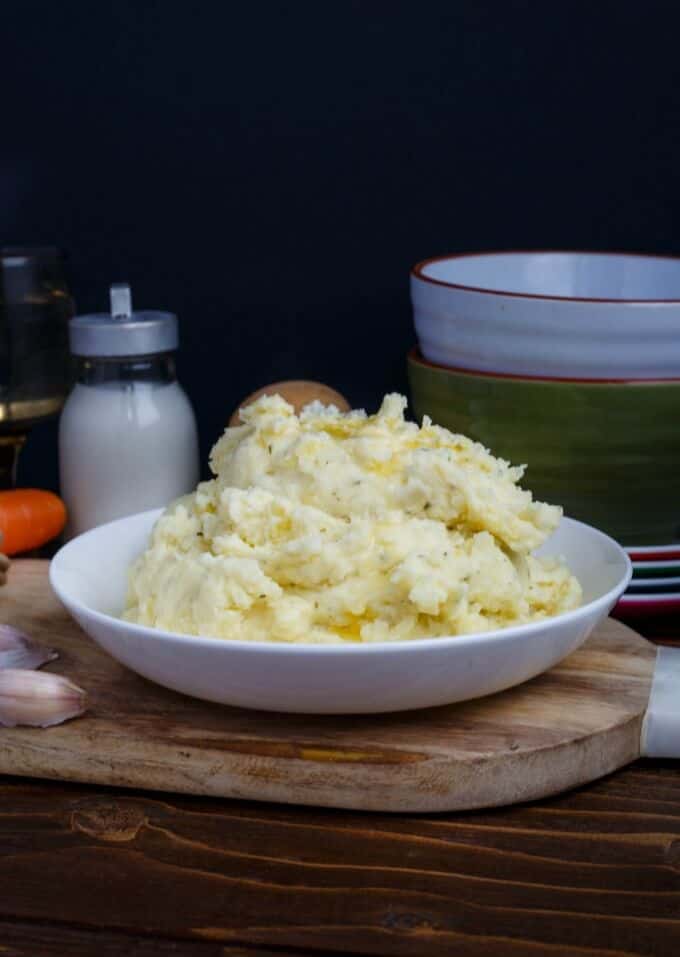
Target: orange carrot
x=28 y=519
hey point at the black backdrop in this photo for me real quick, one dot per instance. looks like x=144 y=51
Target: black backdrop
x=271 y=170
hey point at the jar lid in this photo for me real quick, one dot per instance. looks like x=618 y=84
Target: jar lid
x=123 y=332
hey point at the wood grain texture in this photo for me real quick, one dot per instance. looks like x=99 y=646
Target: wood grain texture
x=593 y=873
x=572 y=725
x=20 y=939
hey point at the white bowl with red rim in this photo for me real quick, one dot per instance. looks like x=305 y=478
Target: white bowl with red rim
x=654 y=553
x=584 y=315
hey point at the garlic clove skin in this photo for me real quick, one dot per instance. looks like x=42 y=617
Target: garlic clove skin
x=38 y=699
x=17 y=650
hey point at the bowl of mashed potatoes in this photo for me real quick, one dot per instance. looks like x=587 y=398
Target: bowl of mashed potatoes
x=340 y=562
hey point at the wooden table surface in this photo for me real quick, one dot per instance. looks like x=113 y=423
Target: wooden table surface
x=113 y=873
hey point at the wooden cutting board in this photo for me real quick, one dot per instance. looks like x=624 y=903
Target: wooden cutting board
x=574 y=724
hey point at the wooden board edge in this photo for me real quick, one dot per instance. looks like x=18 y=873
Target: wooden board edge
x=426 y=787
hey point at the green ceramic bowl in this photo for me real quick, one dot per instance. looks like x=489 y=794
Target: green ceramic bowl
x=608 y=452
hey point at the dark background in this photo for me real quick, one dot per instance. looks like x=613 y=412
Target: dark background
x=270 y=171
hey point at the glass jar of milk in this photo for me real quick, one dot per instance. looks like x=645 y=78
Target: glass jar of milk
x=127 y=434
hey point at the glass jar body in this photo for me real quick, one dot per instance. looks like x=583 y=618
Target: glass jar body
x=127 y=440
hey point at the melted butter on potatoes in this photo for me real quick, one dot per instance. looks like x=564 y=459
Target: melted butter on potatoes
x=342 y=527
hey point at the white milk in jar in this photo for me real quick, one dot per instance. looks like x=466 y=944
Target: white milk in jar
x=127 y=434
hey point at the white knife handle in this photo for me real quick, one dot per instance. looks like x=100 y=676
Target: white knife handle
x=661 y=726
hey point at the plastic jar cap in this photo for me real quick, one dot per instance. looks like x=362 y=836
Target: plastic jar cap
x=123 y=332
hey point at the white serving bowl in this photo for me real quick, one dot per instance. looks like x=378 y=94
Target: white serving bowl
x=556 y=314
x=89 y=575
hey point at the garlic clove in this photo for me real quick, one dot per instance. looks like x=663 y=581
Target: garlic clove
x=38 y=698
x=17 y=650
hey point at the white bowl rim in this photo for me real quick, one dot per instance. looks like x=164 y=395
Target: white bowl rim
x=661 y=598
x=417 y=272
x=390 y=647
x=670 y=581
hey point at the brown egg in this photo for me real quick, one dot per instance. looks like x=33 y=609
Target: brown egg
x=299 y=392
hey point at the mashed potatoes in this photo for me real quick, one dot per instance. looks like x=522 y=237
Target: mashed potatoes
x=332 y=527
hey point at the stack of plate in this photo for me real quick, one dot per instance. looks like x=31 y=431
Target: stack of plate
x=655 y=586
x=568 y=362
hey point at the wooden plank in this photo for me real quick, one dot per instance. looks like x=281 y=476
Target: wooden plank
x=574 y=724
x=55 y=940
x=594 y=873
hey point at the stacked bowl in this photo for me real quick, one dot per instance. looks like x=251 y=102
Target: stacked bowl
x=569 y=362
x=655 y=585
